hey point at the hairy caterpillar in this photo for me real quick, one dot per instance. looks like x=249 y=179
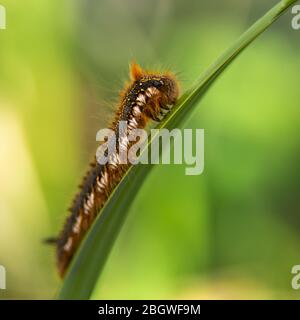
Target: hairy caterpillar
x=147 y=97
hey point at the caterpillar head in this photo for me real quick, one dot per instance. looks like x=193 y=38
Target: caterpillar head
x=166 y=83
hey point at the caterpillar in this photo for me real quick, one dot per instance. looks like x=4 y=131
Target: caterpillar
x=148 y=96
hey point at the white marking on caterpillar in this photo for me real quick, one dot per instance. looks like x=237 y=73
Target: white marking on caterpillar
x=86 y=208
x=90 y=200
x=114 y=160
x=100 y=185
x=151 y=91
x=77 y=225
x=68 y=245
x=104 y=178
x=141 y=98
x=132 y=123
x=136 y=111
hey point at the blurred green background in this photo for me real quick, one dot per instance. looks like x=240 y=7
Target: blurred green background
x=232 y=232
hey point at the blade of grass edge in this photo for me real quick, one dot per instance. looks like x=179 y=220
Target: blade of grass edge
x=92 y=254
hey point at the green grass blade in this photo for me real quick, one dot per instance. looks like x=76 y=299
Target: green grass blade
x=92 y=255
